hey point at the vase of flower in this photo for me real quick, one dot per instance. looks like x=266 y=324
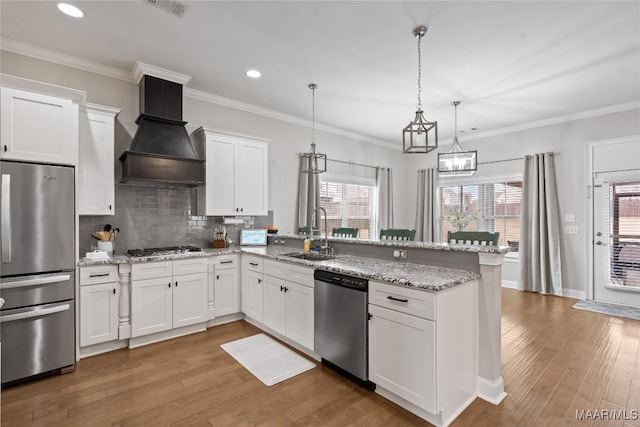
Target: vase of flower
x=459 y=218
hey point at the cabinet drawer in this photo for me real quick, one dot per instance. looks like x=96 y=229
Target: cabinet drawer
x=98 y=274
x=275 y=269
x=299 y=274
x=223 y=262
x=403 y=299
x=253 y=263
x=151 y=270
x=189 y=266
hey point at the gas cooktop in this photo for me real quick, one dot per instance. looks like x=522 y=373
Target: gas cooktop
x=168 y=250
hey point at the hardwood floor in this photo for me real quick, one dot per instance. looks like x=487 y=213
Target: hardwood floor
x=556 y=360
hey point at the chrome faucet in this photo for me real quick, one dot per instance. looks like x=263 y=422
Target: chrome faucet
x=324 y=247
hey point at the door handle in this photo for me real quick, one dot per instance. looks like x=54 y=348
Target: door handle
x=34 y=313
x=35 y=281
x=6 y=218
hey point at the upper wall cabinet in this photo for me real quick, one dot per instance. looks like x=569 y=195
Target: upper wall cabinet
x=236 y=173
x=96 y=164
x=38 y=127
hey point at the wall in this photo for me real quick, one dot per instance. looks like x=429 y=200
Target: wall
x=570 y=140
x=286 y=140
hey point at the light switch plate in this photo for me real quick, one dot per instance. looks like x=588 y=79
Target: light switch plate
x=571 y=229
x=570 y=218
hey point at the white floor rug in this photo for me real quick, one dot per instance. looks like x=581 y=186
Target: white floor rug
x=267 y=359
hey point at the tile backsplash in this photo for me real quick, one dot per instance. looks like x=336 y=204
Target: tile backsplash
x=158 y=216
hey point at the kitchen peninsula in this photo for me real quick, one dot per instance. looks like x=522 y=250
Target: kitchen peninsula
x=436 y=271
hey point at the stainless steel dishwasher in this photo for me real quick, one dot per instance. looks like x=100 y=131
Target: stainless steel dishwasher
x=341 y=323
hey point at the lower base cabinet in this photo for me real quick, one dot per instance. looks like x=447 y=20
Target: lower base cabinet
x=166 y=302
x=98 y=313
x=413 y=375
x=226 y=288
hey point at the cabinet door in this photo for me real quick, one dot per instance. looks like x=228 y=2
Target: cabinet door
x=252 y=294
x=218 y=193
x=151 y=306
x=402 y=356
x=98 y=313
x=275 y=316
x=37 y=127
x=299 y=313
x=226 y=292
x=251 y=178
x=189 y=299
x=96 y=163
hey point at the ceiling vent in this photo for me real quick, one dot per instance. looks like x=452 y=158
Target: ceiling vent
x=175 y=8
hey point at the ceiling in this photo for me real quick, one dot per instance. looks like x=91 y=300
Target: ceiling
x=508 y=62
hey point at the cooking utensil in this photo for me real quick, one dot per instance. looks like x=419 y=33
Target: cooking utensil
x=94 y=237
x=107 y=227
x=103 y=235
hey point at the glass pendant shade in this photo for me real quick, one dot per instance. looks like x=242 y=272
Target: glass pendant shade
x=456 y=161
x=315 y=162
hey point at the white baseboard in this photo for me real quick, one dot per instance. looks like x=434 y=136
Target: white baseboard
x=224 y=319
x=104 y=347
x=166 y=335
x=491 y=391
x=572 y=293
x=510 y=284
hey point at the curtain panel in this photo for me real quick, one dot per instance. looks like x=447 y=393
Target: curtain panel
x=384 y=187
x=308 y=196
x=427 y=212
x=540 y=260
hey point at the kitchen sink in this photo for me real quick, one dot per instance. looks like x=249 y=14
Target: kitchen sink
x=310 y=256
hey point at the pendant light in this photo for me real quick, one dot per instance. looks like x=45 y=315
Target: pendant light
x=315 y=162
x=456 y=161
x=415 y=136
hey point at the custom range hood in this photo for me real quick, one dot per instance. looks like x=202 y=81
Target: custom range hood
x=161 y=152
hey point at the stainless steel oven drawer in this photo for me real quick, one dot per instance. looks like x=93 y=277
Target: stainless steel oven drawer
x=37 y=339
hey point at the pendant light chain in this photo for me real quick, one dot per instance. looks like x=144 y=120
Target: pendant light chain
x=313 y=114
x=419 y=106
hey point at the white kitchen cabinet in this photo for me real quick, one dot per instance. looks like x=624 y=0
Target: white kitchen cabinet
x=226 y=286
x=96 y=164
x=167 y=295
x=236 y=173
x=37 y=127
x=411 y=376
x=151 y=306
x=99 y=294
x=288 y=306
x=423 y=348
x=252 y=287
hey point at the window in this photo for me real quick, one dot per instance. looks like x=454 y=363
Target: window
x=349 y=205
x=493 y=207
x=624 y=229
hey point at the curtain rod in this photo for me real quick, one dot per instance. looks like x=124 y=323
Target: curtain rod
x=347 y=162
x=510 y=160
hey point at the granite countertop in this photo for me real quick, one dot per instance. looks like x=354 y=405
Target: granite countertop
x=425 y=277
x=407 y=244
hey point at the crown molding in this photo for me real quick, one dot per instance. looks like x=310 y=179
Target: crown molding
x=92 y=67
x=555 y=120
x=140 y=69
x=63 y=59
x=250 y=108
x=75 y=95
x=111 y=111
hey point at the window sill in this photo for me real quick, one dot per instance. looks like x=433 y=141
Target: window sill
x=511 y=257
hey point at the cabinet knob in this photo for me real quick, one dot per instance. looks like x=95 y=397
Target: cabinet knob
x=176 y=284
x=286 y=289
x=114 y=291
x=217 y=277
x=237 y=210
x=259 y=280
x=281 y=288
x=5 y=148
x=169 y=284
x=241 y=209
x=110 y=207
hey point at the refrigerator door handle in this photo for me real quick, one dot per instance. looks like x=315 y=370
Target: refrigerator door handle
x=6 y=218
x=35 y=281
x=34 y=313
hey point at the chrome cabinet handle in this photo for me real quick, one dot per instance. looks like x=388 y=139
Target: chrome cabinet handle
x=6 y=218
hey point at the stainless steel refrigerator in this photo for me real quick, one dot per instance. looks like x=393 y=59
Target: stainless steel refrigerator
x=37 y=272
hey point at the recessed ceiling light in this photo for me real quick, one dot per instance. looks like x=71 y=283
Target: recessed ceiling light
x=254 y=74
x=71 y=10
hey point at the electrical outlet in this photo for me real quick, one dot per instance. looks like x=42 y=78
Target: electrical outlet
x=570 y=218
x=571 y=229
x=400 y=253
